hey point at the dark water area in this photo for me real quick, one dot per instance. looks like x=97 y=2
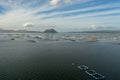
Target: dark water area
x=22 y=60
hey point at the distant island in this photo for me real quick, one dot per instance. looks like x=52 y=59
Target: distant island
x=54 y=31
x=17 y=31
x=25 y=31
x=50 y=31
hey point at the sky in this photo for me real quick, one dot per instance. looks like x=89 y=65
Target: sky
x=62 y=15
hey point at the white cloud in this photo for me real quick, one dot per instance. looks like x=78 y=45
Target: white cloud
x=54 y=2
x=63 y=2
x=28 y=24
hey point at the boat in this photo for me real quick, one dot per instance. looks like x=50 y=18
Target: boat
x=12 y=38
x=95 y=75
x=91 y=72
x=83 y=67
x=98 y=76
x=92 y=39
x=73 y=40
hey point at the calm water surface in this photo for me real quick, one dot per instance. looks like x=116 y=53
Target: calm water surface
x=52 y=60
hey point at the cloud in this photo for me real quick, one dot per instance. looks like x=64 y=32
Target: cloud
x=54 y=2
x=28 y=24
x=60 y=2
x=24 y=13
